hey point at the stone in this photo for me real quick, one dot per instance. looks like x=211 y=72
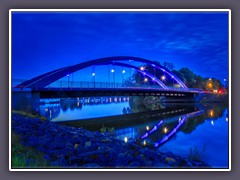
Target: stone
x=91 y=165
x=135 y=164
x=88 y=143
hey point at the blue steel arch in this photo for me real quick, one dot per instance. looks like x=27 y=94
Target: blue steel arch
x=52 y=76
x=154 y=78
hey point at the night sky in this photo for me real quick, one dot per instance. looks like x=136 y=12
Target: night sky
x=44 y=41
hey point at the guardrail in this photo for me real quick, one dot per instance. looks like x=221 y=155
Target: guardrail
x=105 y=85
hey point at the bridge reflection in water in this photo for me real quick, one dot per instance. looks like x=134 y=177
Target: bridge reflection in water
x=146 y=122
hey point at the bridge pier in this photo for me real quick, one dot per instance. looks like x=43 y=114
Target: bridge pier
x=25 y=100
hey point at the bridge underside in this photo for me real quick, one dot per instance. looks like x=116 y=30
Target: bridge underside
x=98 y=92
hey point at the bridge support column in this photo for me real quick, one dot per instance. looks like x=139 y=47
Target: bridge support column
x=26 y=100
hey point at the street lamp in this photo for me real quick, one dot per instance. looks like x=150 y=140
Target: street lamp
x=225 y=83
x=112 y=70
x=68 y=80
x=145 y=80
x=172 y=80
x=93 y=78
x=141 y=68
x=163 y=78
x=123 y=72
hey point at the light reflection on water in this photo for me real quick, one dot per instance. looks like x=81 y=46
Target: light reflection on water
x=210 y=127
x=83 y=108
x=212 y=133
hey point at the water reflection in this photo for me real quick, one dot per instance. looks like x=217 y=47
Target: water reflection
x=150 y=123
x=53 y=108
x=126 y=110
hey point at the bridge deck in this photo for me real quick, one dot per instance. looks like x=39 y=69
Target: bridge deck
x=88 y=92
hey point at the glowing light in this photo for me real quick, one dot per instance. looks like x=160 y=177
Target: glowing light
x=227 y=119
x=163 y=78
x=211 y=113
x=165 y=130
x=144 y=143
x=123 y=71
x=224 y=79
x=212 y=123
x=125 y=139
x=147 y=128
x=46 y=109
x=112 y=70
x=93 y=74
x=141 y=68
x=67 y=75
x=153 y=79
x=153 y=65
x=145 y=79
x=210 y=85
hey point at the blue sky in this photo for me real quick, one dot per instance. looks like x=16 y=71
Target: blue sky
x=44 y=41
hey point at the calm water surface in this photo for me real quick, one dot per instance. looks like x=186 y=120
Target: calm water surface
x=164 y=127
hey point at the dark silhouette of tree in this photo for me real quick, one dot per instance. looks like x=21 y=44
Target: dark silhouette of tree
x=191 y=79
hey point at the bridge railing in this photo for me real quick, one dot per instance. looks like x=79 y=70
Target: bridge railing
x=92 y=84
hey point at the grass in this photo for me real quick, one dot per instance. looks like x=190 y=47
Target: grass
x=25 y=157
x=30 y=115
x=196 y=153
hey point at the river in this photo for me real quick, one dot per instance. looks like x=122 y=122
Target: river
x=187 y=130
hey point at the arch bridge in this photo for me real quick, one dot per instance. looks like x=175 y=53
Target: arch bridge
x=40 y=82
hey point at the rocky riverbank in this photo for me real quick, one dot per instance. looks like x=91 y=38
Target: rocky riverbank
x=69 y=147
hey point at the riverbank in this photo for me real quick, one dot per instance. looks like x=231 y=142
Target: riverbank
x=215 y=98
x=68 y=147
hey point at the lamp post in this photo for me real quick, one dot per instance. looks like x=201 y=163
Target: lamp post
x=93 y=78
x=109 y=76
x=72 y=84
x=68 y=80
x=112 y=70
x=123 y=72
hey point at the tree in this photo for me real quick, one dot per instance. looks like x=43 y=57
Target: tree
x=188 y=76
x=185 y=74
x=168 y=65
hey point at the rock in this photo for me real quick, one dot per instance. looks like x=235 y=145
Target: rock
x=121 y=163
x=91 y=165
x=88 y=143
x=70 y=146
x=135 y=164
x=76 y=146
x=159 y=165
x=170 y=161
x=121 y=155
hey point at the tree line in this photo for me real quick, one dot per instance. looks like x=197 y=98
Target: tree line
x=191 y=79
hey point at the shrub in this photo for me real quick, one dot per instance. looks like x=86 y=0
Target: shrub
x=197 y=154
